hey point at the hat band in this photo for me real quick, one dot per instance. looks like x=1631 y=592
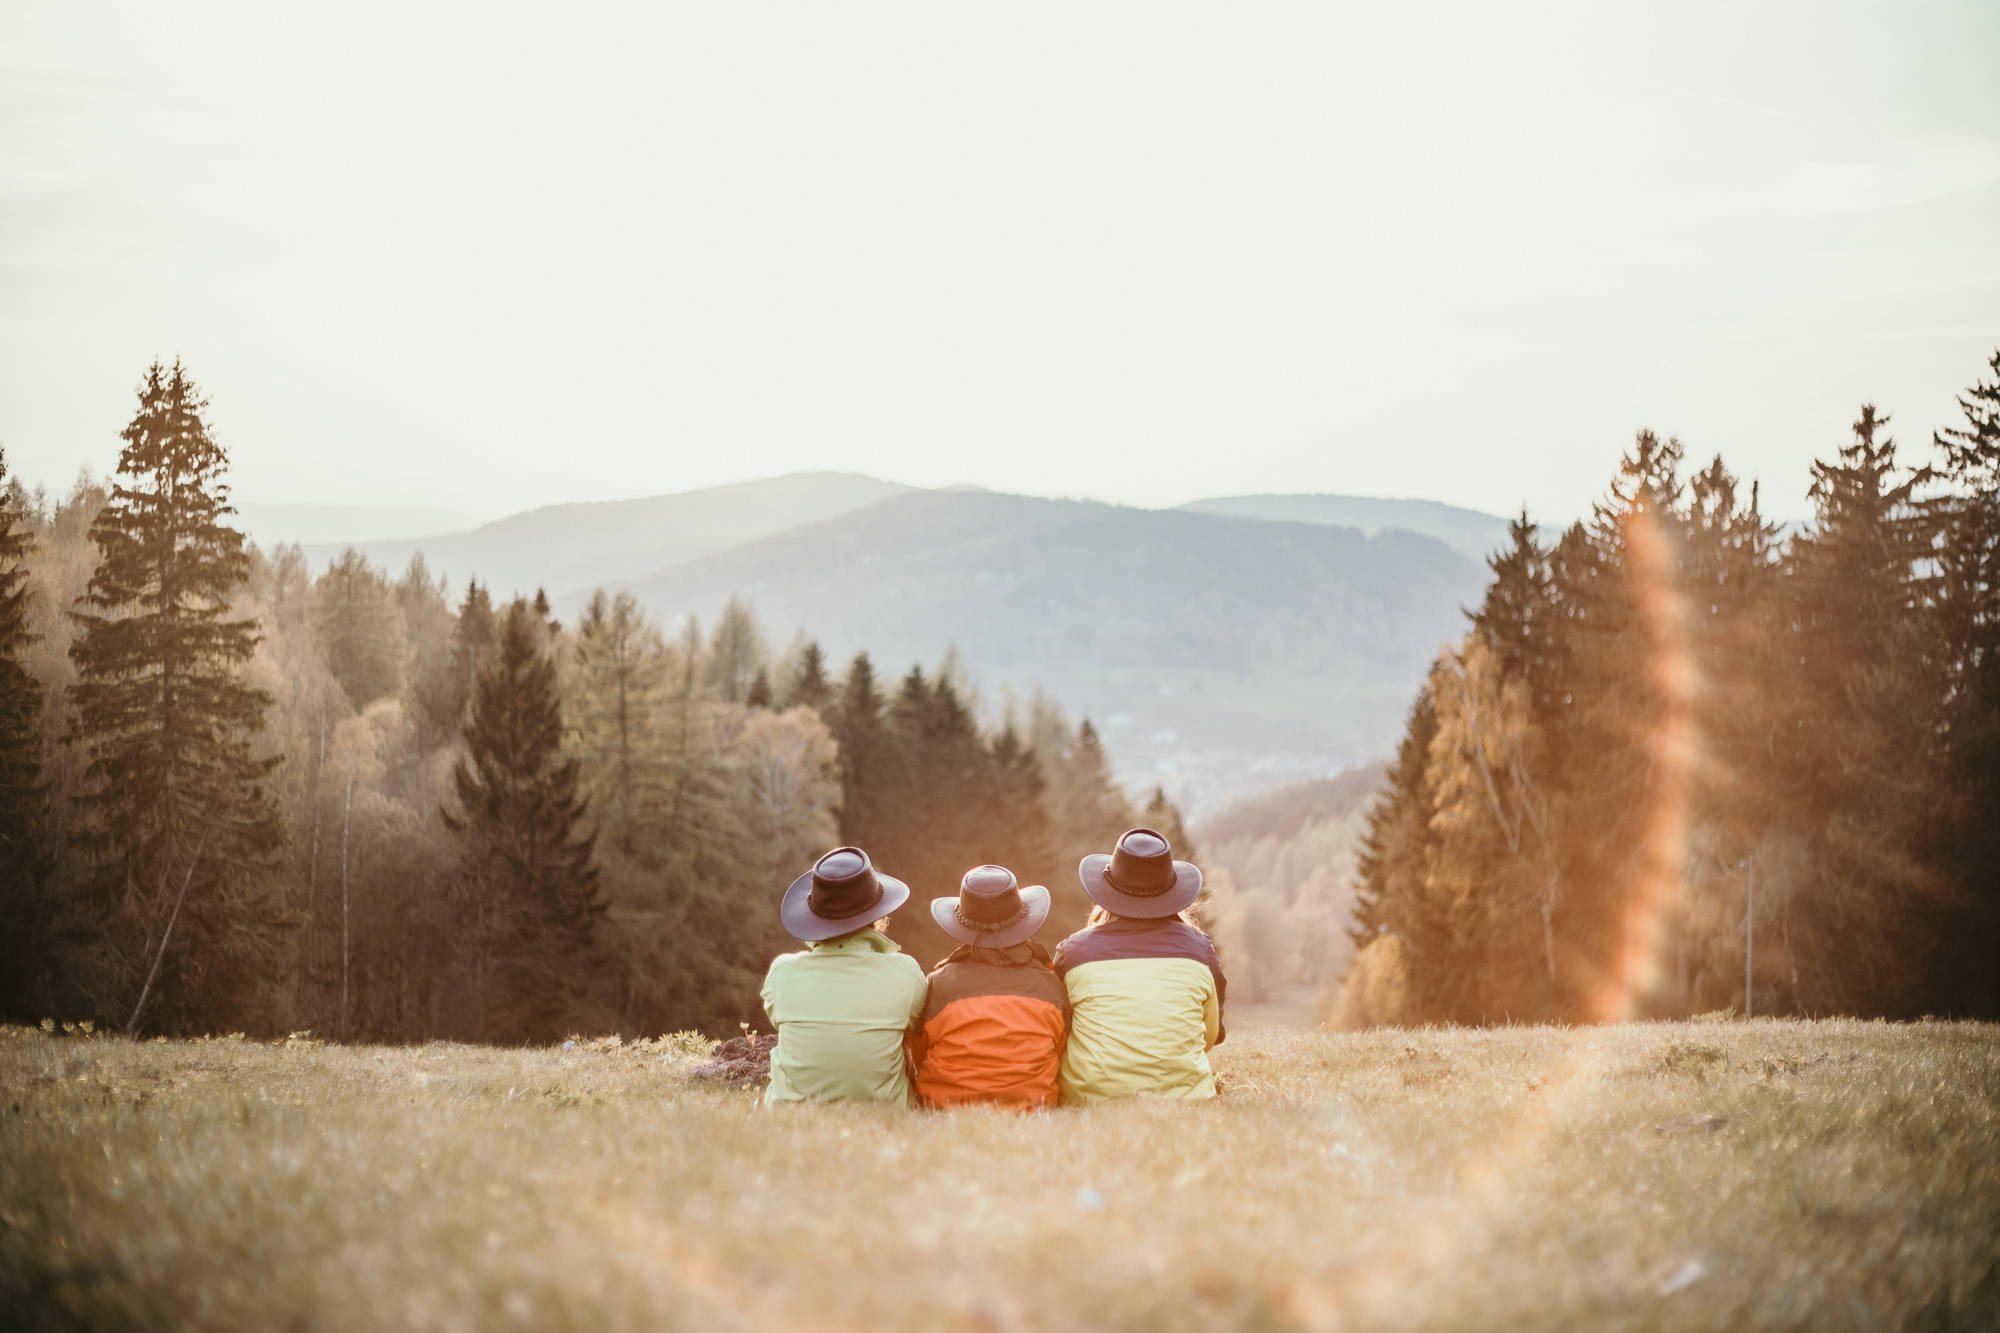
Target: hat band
x=1141 y=891
x=1015 y=918
x=817 y=903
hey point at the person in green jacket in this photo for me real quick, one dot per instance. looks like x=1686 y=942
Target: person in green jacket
x=844 y=1006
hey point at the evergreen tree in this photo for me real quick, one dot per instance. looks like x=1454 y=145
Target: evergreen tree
x=26 y=902
x=178 y=828
x=760 y=694
x=1860 y=763
x=1391 y=891
x=809 y=687
x=867 y=758
x=361 y=629
x=526 y=873
x=735 y=652
x=1968 y=598
x=473 y=639
x=618 y=670
x=435 y=697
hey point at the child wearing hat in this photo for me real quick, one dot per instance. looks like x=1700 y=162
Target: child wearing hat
x=996 y=1015
x=844 y=1006
x=1145 y=985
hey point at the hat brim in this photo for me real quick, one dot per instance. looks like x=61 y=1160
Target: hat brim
x=1187 y=888
x=802 y=923
x=1034 y=897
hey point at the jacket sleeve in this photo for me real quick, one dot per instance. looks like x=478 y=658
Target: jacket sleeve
x=770 y=993
x=913 y=1035
x=1212 y=1006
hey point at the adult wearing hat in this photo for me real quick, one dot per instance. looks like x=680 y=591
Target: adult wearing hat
x=1145 y=985
x=996 y=1014
x=843 y=1006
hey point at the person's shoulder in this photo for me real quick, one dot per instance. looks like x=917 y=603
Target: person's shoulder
x=785 y=960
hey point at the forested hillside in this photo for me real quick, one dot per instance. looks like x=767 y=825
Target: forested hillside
x=1281 y=881
x=1223 y=655
x=1678 y=765
x=237 y=792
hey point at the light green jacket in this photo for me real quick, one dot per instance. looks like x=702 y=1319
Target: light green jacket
x=842 y=1008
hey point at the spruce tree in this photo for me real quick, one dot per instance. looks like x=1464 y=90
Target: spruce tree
x=867 y=757
x=175 y=820
x=617 y=672
x=760 y=695
x=809 y=687
x=1968 y=605
x=26 y=902
x=526 y=876
x=360 y=629
x=1857 y=736
x=734 y=652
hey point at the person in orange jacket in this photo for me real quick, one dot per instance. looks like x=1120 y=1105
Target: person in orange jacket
x=996 y=1015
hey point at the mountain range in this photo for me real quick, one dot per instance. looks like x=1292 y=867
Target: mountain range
x=1221 y=647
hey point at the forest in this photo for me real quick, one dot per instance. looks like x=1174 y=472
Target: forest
x=1684 y=762
x=238 y=794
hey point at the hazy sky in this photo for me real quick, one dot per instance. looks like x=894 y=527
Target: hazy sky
x=482 y=260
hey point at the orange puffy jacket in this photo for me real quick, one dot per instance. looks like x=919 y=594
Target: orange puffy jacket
x=992 y=1029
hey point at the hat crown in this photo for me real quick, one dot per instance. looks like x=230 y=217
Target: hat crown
x=1142 y=864
x=988 y=897
x=843 y=885
x=986 y=881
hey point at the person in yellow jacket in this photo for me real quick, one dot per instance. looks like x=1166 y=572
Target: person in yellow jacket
x=1145 y=984
x=844 y=1006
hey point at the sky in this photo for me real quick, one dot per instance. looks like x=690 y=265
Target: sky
x=472 y=259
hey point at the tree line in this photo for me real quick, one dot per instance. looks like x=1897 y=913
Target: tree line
x=1683 y=762
x=236 y=794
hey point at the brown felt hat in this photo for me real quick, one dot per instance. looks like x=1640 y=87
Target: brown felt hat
x=1140 y=877
x=992 y=910
x=841 y=893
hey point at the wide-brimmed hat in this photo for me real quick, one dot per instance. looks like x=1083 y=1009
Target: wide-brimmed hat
x=992 y=910
x=1140 y=877
x=839 y=895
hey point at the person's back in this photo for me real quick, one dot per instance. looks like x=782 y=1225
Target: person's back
x=996 y=1015
x=1145 y=985
x=1145 y=1007
x=843 y=1006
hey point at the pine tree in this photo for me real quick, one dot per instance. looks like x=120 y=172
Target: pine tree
x=361 y=629
x=809 y=687
x=1857 y=741
x=734 y=653
x=26 y=902
x=1392 y=889
x=760 y=694
x=1968 y=597
x=867 y=758
x=176 y=821
x=435 y=697
x=526 y=873
x=473 y=639
x=618 y=670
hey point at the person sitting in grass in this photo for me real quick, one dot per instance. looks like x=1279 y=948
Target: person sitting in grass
x=993 y=1025
x=1145 y=984
x=843 y=1006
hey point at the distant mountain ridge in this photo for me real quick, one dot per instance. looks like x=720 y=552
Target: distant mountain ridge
x=1221 y=647
x=1466 y=530
x=568 y=548
x=1218 y=654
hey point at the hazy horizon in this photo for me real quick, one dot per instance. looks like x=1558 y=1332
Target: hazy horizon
x=1123 y=254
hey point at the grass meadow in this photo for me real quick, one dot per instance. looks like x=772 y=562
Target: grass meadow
x=1832 y=1175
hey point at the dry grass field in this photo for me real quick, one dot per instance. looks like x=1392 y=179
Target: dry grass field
x=1716 y=1175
